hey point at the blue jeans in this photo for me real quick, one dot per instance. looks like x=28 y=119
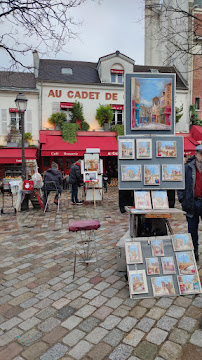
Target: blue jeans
x=193 y=223
x=74 y=193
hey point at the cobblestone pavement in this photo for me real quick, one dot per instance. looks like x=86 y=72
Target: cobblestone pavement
x=46 y=315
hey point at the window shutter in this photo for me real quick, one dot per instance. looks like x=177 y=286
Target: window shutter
x=55 y=107
x=4 y=129
x=29 y=121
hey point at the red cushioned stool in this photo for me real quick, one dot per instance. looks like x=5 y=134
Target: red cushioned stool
x=86 y=229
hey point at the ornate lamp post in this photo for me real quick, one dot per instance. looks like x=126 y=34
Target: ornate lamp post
x=21 y=104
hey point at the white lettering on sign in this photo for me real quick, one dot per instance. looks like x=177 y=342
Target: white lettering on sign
x=53 y=153
x=66 y=153
x=112 y=153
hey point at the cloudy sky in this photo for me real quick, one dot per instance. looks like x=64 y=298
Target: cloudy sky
x=106 y=26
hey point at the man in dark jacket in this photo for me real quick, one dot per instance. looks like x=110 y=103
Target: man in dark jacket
x=75 y=180
x=52 y=174
x=191 y=196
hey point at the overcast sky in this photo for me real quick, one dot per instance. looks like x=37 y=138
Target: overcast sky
x=107 y=26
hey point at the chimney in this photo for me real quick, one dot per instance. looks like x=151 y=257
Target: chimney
x=36 y=63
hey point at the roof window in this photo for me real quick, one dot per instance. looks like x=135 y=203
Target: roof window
x=66 y=71
x=154 y=71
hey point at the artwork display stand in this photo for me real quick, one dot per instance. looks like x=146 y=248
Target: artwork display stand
x=93 y=163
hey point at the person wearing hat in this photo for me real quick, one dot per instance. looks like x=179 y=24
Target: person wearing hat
x=191 y=197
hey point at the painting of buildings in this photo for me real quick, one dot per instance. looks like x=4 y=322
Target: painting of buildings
x=185 y=262
x=172 y=172
x=92 y=162
x=138 y=282
x=182 y=242
x=126 y=149
x=144 y=149
x=159 y=199
x=163 y=285
x=131 y=172
x=142 y=200
x=133 y=252
x=166 y=149
x=151 y=103
x=168 y=265
x=157 y=247
x=152 y=266
x=189 y=284
x=151 y=175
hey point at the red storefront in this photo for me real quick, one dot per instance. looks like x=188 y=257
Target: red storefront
x=189 y=144
x=11 y=160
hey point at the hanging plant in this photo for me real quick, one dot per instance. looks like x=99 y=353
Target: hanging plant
x=58 y=118
x=69 y=131
x=85 y=126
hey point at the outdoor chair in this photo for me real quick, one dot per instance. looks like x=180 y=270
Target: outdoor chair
x=51 y=187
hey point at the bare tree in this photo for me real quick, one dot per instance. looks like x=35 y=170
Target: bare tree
x=26 y=25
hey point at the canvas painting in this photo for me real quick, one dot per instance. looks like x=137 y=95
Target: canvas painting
x=92 y=162
x=160 y=199
x=172 y=172
x=163 y=285
x=144 y=149
x=182 y=242
x=90 y=175
x=168 y=265
x=137 y=282
x=142 y=200
x=131 y=172
x=151 y=103
x=151 y=175
x=166 y=149
x=189 y=284
x=186 y=263
x=133 y=252
x=126 y=149
x=152 y=265
x=157 y=247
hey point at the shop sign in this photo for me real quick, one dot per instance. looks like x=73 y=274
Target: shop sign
x=112 y=153
x=91 y=95
x=63 y=153
x=66 y=105
x=117 y=71
x=117 y=107
x=13 y=110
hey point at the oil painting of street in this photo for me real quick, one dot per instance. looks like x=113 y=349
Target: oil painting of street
x=185 y=263
x=189 y=284
x=133 y=252
x=172 y=172
x=138 y=282
x=163 y=285
x=151 y=103
x=152 y=266
x=166 y=149
x=182 y=242
x=131 y=172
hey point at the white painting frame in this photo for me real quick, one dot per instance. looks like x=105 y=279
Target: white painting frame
x=151 y=267
x=167 y=271
x=154 y=178
x=143 y=148
x=184 y=285
x=142 y=200
x=163 y=152
x=182 y=257
x=160 y=281
x=90 y=176
x=128 y=176
x=159 y=199
x=182 y=242
x=140 y=283
x=126 y=149
x=133 y=252
x=157 y=247
x=177 y=176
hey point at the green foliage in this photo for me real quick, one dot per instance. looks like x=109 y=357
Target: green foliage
x=28 y=136
x=57 y=118
x=84 y=126
x=104 y=114
x=119 y=129
x=178 y=113
x=194 y=116
x=77 y=112
x=68 y=131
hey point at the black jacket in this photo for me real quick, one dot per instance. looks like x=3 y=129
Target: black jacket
x=186 y=196
x=75 y=175
x=55 y=175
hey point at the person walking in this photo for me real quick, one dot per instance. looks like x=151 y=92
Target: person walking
x=75 y=180
x=54 y=175
x=191 y=197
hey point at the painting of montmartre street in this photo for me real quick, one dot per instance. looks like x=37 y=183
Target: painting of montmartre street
x=151 y=103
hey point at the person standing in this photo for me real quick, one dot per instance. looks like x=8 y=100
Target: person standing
x=191 y=197
x=53 y=175
x=75 y=180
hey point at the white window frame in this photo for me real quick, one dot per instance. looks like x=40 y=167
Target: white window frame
x=116 y=78
x=115 y=114
x=16 y=115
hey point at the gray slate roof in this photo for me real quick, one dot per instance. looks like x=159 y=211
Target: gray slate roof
x=17 y=80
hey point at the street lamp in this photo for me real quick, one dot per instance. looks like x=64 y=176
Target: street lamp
x=21 y=103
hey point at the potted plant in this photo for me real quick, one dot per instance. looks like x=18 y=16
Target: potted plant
x=13 y=137
x=77 y=114
x=57 y=119
x=27 y=138
x=104 y=116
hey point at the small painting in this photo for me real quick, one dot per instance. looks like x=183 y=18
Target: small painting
x=166 y=149
x=157 y=247
x=151 y=175
x=144 y=149
x=163 y=285
x=159 y=199
x=92 y=162
x=172 y=172
x=182 y=242
x=186 y=263
x=189 y=284
x=133 y=252
x=151 y=103
x=126 y=149
x=90 y=176
x=168 y=265
x=152 y=265
x=131 y=172
x=137 y=282
x=142 y=200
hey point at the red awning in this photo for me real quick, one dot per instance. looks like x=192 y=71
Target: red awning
x=14 y=155
x=189 y=143
x=196 y=132
x=55 y=146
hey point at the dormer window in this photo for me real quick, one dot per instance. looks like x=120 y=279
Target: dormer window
x=66 y=71
x=117 y=76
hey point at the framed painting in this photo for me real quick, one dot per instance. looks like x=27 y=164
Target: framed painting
x=166 y=149
x=157 y=247
x=92 y=162
x=142 y=200
x=151 y=103
x=186 y=263
x=131 y=172
x=152 y=174
x=172 y=172
x=90 y=176
x=133 y=252
x=182 y=242
x=144 y=148
x=152 y=265
x=126 y=149
x=163 y=286
x=159 y=199
x=168 y=265
x=189 y=284
x=137 y=282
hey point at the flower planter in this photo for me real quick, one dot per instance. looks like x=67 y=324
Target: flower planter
x=79 y=122
x=106 y=126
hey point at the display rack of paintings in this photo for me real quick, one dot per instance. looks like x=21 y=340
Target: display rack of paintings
x=126 y=149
